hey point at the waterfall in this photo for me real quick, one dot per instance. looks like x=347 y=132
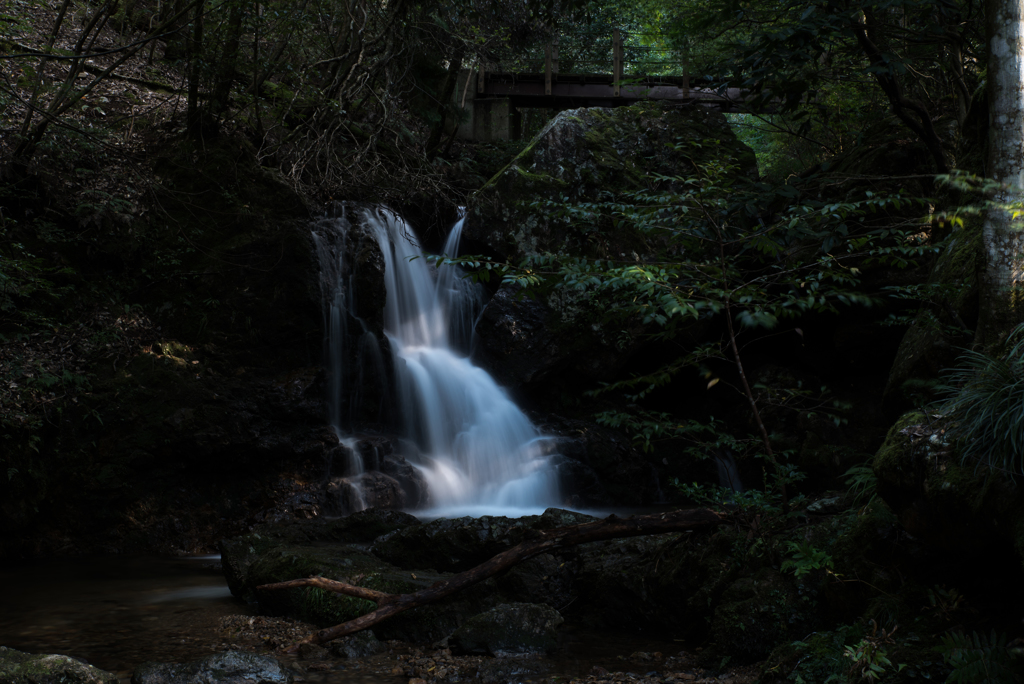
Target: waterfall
x=476 y=450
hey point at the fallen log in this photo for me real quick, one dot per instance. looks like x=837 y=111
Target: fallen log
x=546 y=541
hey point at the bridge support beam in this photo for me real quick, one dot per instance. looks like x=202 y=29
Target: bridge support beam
x=484 y=118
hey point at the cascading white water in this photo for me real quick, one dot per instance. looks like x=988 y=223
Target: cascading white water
x=477 y=451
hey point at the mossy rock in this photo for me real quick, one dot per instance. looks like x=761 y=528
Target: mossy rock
x=266 y=560
x=238 y=553
x=951 y=506
x=18 y=667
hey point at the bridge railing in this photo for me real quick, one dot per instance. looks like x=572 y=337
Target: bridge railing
x=618 y=54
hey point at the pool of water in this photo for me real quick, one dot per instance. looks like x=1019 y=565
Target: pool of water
x=116 y=611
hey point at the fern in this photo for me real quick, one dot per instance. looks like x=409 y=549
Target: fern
x=863 y=483
x=978 y=659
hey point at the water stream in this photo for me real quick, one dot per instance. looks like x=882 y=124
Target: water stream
x=477 y=451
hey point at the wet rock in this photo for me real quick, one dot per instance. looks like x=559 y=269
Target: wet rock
x=411 y=481
x=509 y=628
x=17 y=667
x=349 y=254
x=313 y=652
x=230 y=667
x=452 y=544
x=505 y=670
x=358 y=645
x=457 y=544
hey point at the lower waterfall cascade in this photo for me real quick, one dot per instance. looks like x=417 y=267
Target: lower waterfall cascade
x=476 y=450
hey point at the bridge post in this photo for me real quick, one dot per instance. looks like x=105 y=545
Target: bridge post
x=506 y=123
x=616 y=63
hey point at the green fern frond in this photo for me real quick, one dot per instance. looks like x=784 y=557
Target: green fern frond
x=977 y=658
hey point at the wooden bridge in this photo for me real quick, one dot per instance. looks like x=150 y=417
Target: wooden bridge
x=492 y=100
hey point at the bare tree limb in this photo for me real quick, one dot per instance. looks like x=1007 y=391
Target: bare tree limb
x=547 y=541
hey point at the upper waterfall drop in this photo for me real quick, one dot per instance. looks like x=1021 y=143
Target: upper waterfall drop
x=476 y=450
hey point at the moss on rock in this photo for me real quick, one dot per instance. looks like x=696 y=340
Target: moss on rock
x=950 y=505
x=18 y=667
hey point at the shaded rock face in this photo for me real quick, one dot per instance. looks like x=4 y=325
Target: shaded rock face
x=582 y=155
x=17 y=667
x=353 y=294
x=602 y=466
x=229 y=667
x=510 y=628
x=950 y=506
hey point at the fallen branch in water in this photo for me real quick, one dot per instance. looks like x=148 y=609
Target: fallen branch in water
x=544 y=542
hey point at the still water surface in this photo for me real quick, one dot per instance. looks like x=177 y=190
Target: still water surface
x=117 y=612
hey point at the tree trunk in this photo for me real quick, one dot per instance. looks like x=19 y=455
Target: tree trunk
x=226 y=69
x=444 y=103
x=1002 y=305
x=193 y=116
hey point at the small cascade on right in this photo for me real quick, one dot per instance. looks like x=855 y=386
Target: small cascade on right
x=728 y=473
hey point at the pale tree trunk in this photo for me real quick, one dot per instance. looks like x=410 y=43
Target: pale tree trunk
x=1002 y=305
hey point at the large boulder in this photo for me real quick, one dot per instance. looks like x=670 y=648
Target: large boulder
x=581 y=156
x=17 y=667
x=953 y=507
x=229 y=667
